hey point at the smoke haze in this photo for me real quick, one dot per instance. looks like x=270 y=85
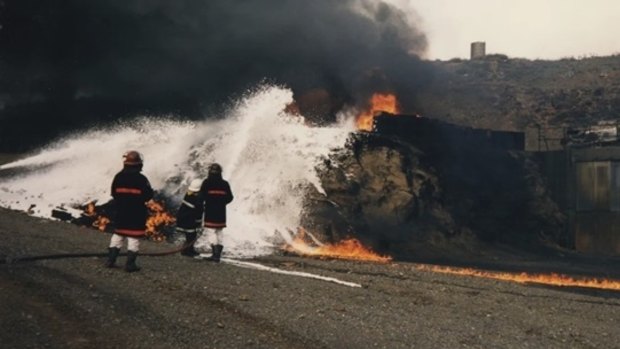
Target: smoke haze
x=71 y=63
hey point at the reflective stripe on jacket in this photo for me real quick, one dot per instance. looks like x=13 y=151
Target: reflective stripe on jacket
x=131 y=190
x=216 y=194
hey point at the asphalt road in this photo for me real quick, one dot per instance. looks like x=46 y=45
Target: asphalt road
x=177 y=302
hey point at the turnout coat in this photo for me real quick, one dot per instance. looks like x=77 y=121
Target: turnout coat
x=131 y=190
x=189 y=216
x=216 y=194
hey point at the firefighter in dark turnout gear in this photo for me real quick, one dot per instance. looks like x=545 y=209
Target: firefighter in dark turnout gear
x=216 y=193
x=189 y=217
x=130 y=190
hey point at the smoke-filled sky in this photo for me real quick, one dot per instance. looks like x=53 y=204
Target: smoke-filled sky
x=545 y=29
x=137 y=49
x=71 y=62
x=67 y=63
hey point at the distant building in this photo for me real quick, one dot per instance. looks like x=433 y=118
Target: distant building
x=478 y=49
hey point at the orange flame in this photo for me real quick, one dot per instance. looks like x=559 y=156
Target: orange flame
x=89 y=210
x=350 y=249
x=553 y=279
x=100 y=221
x=380 y=102
x=158 y=218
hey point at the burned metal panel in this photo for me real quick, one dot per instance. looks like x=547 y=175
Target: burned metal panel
x=593 y=186
x=597 y=232
x=594 y=204
x=432 y=131
x=615 y=187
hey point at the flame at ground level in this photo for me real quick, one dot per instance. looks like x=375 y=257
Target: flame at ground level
x=100 y=222
x=158 y=218
x=553 y=279
x=350 y=249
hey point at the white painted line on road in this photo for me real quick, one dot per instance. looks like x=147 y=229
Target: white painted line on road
x=257 y=266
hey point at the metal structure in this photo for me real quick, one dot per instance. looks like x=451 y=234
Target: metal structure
x=584 y=178
x=478 y=50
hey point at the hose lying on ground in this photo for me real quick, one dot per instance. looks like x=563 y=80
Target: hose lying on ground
x=18 y=259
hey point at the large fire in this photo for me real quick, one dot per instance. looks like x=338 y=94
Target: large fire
x=350 y=249
x=553 y=279
x=380 y=102
x=158 y=218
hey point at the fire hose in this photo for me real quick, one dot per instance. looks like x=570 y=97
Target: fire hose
x=19 y=259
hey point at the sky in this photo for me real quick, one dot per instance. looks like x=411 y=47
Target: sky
x=533 y=29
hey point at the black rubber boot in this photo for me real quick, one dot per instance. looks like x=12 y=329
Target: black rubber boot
x=210 y=258
x=217 y=253
x=189 y=249
x=112 y=255
x=131 y=266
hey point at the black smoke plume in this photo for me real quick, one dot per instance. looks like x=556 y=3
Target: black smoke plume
x=67 y=64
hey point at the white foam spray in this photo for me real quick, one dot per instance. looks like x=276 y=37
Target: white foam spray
x=268 y=156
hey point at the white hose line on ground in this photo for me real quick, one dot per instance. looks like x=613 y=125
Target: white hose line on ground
x=294 y=273
x=316 y=241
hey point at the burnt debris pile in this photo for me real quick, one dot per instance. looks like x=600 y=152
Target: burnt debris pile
x=418 y=181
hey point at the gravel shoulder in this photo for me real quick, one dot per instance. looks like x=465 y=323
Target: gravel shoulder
x=176 y=302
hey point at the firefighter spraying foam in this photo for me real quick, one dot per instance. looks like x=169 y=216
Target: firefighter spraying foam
x=216 y=193
x=189 y=217
x=131 y=191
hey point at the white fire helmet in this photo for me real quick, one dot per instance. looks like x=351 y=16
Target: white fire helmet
x=133 y=157
x=195 y=185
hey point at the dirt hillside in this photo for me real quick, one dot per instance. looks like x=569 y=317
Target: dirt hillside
x=504 y=93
